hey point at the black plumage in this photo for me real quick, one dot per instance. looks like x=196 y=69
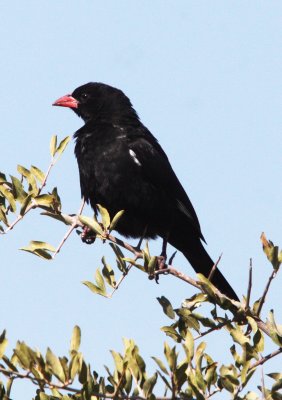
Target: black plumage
x=123 y=167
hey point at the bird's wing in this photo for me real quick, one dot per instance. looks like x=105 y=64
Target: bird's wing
x=155 y=165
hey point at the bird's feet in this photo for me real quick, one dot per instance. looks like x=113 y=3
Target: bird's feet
x=160 y=266
x=87 y=235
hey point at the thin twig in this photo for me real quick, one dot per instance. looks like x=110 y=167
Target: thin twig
x=172 y=271
x=263 y=384
x=49 y=384
x=121 y=279
x=262 y=300
x=137 y=384
x=33 y=203
x=266 y=358
x=70 y=230
x=214 y=392
x=119 y=383
x=53 y=162
x=128 y=268
x=214 y=268
x=215 y=328
x=249 y=285
x=125 y=245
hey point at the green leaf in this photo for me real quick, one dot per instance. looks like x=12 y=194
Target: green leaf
x=30 y=179
x=195 y=301
x=258 y=340
x=189 y=346
x=193 y=383
x=53 y=145
x=171 y=356
x=40 y=176
x=76 y=339
x=152 y=265
x=66 y=219
x=115 y=220
x=40 y=249
x=275 y=330
x=44 y=200
x=9 y=196
x=252 y=396
x=229 y=378
x=166 y=306
x=271 y=251
x=207 y=322
x=63 y=144
x=207 y=285
x=23 y=171
x=92 y=224
x=171 y=332
x=94 y=288
x=3 y=344
x=118 y=361
x=149 y=384
x=35 y=245
x=199 y=354
x=160 y=365
x=128 y=381
x=55 y=365
x=100 y=281
x=75 y=365
x=18 y=190
x=211 y=375
x=25 y=204
x=180 y=375
x=238 y=336
x=119 y=257
x=146 y=255
x=108 y=273
x=3 y=217
x=24 y=354
x=106 y=220
x=275 y=375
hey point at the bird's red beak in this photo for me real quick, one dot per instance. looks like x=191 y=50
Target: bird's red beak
x=66 y=101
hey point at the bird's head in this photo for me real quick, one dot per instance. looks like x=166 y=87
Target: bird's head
x=98 y=101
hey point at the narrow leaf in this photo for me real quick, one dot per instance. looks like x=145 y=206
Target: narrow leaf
x=92 y=224
x=105 y=216
x=115 y=220
x=166 y=306
x=37 y=173
x=76 y=339
x=55 y=365
x=160 y=365
x=63 y=144
x=53 y=145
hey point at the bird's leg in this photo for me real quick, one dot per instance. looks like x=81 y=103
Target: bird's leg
x=161 y=262
x=87 y=235
x=138 y=247
x=164 y=246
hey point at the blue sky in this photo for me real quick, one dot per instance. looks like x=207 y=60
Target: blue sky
x=205 y=78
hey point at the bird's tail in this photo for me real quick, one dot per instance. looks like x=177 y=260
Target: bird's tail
x=202 y=263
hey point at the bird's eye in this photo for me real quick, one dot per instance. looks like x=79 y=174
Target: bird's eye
x=84 y=96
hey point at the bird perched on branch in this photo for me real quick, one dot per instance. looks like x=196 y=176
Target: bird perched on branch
x=123 y=167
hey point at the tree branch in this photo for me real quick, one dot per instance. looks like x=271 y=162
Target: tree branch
x=262 y=300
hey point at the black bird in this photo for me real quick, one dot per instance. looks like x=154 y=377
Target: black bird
x=123 y=167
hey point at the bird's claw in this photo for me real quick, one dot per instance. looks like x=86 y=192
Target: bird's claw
x=87 y=236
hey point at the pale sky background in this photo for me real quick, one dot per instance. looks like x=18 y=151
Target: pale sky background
x=205 y=78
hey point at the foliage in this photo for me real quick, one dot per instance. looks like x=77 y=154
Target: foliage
x=186 y=370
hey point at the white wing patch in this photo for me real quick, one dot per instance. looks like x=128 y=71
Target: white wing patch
x=183 y=209
x=134 y=157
